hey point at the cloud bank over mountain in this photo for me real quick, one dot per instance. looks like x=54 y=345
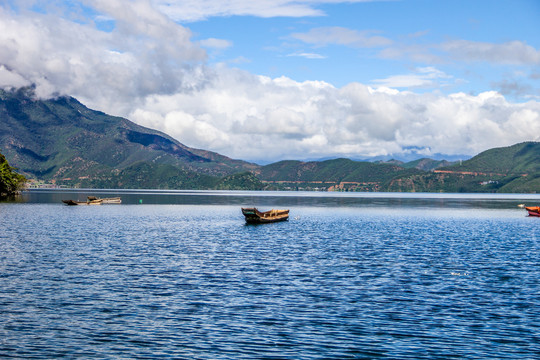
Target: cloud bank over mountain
x=132 y=59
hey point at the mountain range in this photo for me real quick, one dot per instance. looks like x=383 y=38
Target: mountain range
x=61 y=141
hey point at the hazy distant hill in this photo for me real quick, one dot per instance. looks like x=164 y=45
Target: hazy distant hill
x=338 y=173
x=329 y=170
x=427 y=164
x=510 y=169
x=62 y=140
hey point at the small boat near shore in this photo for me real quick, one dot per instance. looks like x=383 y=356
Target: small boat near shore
x=76 y=202
x=92 y=200
x=533 y=210
x=113 y=200
x=254 y=216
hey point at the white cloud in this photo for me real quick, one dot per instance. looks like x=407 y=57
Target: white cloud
x=147 y=53
x=215 y=43
x=307 y=55
x=149 y=70
x=417 y=53
x=240 y=60
x=424 y=77
x=195 y=10
x=324 y=36
x=508 y=53
x=10 y=79
x=253 y=117
x=512 y=52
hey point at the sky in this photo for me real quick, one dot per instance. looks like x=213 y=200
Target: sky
x=264 y=81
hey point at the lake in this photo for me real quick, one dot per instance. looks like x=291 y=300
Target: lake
x=178 y=274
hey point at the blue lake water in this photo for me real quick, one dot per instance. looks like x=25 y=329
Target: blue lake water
x=349 y=276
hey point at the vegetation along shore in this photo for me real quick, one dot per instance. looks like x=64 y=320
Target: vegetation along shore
x=10 y=181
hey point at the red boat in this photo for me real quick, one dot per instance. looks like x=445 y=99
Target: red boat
x=533 y=210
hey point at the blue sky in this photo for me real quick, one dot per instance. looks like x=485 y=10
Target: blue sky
x=410 y=34
x=291 y=79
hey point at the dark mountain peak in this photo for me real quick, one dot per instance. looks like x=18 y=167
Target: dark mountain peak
x=427 y=164
x=391 y=162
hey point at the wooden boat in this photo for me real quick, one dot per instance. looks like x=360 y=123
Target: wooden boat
x=533 y=210
x=254 y=216
x=89 y=202
x=113 y=200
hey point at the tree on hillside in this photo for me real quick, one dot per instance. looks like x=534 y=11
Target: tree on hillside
x=10 y=181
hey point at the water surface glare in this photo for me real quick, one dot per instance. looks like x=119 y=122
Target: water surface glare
x=185 y=281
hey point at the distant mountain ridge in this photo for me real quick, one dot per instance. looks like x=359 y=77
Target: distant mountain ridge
x=427 y=164
x=508 y=169
x=62 y=141
x=337 y=174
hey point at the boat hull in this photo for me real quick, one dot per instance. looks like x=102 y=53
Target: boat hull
x=254 y=216
x=533 y=211
x=92 y=200
x=113 y=200
x=73 y=202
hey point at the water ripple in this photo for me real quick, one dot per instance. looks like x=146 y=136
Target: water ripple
x=193 y=282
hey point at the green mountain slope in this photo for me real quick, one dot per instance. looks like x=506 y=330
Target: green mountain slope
x=61 y=140
x=338 y=174
x=517 y=159
x=329 y=170
x=513 y=169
